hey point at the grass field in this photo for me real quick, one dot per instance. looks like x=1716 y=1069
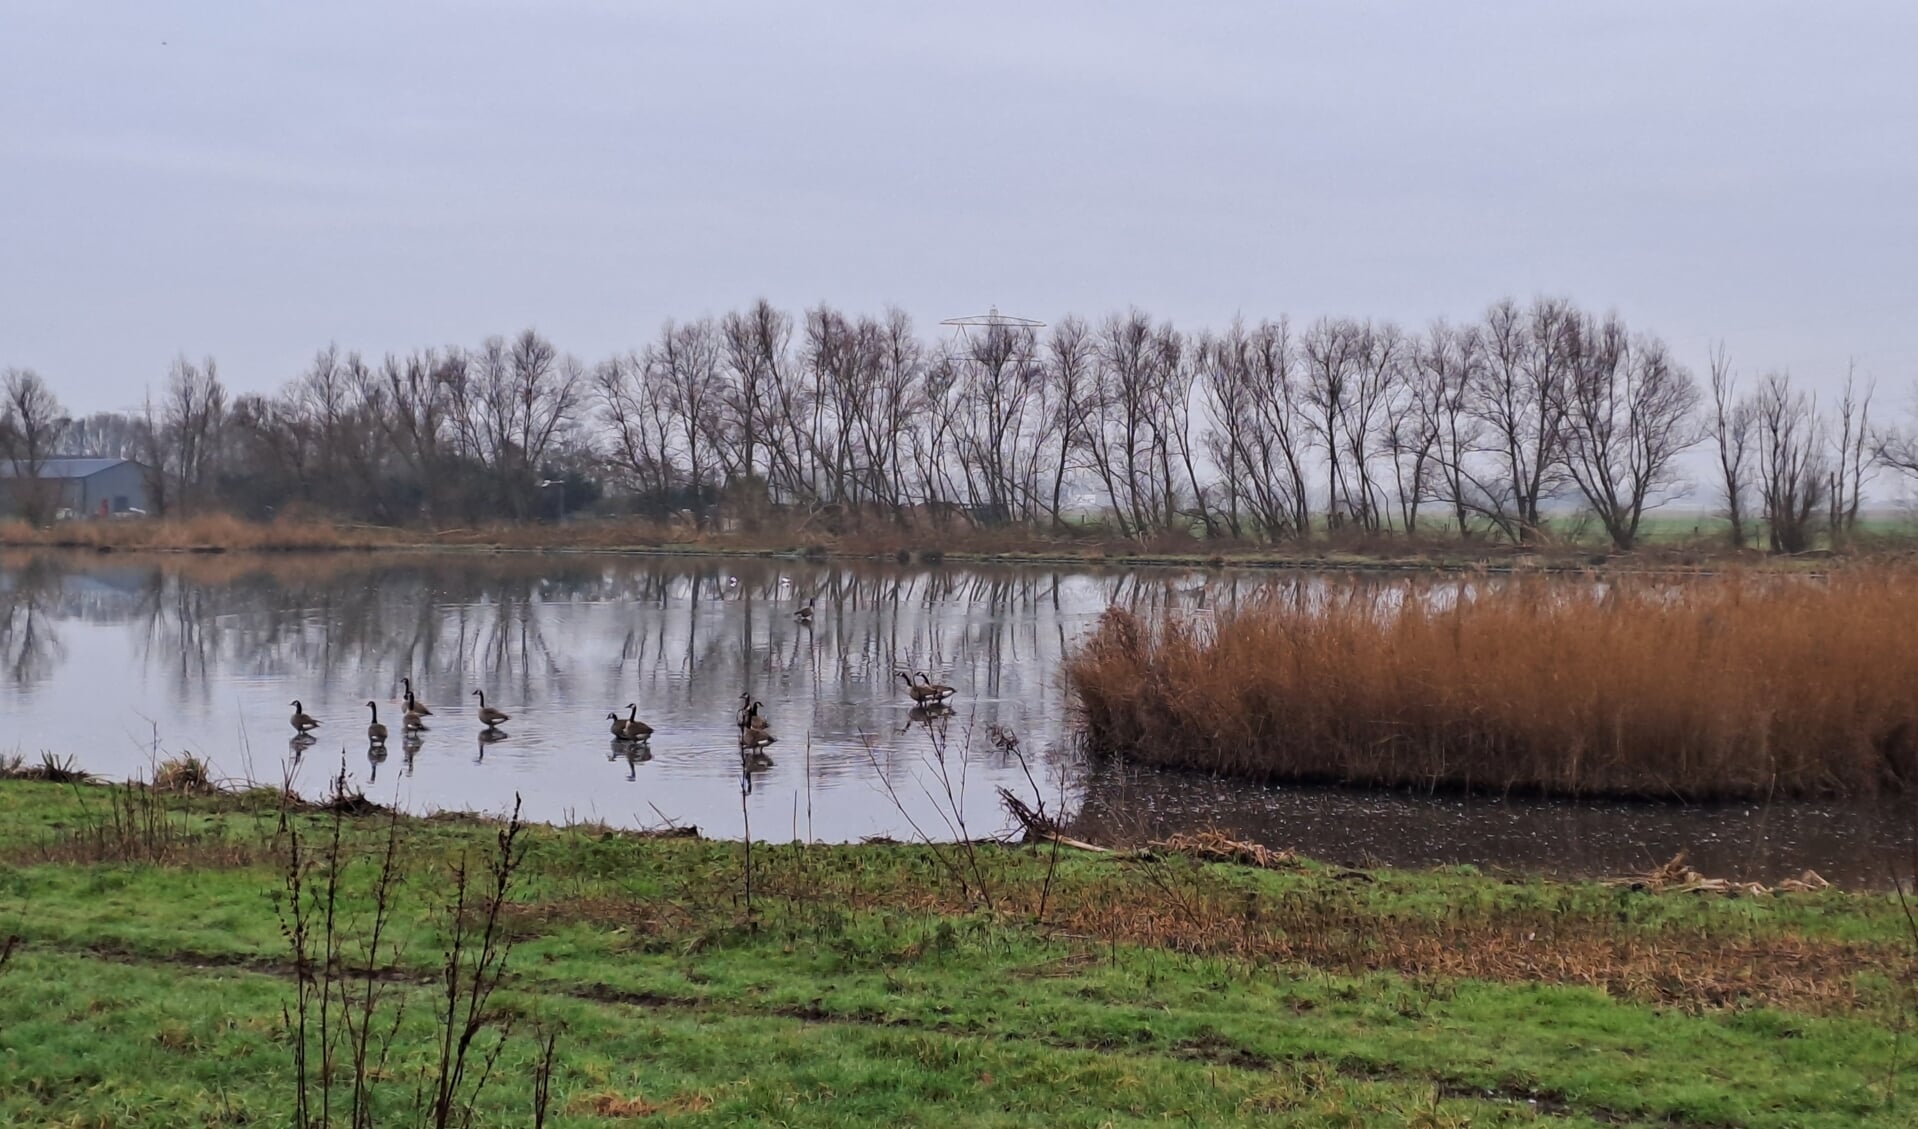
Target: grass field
x=152 y=982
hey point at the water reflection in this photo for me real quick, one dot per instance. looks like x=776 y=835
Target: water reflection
x=110 y=658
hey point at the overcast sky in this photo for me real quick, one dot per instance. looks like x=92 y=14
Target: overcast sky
x=254 y=180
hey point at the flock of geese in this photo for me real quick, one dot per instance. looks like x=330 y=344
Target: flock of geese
x=755 y=729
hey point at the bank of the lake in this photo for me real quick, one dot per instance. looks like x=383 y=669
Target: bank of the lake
x=1079 y=546
x=829 y=985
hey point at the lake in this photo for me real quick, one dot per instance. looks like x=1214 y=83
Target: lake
x=121 y=660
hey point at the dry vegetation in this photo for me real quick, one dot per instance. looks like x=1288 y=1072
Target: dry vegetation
x=213 y=531
x=1741 y=686
x=881 y=538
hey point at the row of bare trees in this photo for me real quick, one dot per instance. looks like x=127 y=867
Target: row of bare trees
x=1261 y=431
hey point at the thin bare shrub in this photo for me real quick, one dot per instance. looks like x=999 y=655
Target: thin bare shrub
x=1739 y=686
x=344 y=1024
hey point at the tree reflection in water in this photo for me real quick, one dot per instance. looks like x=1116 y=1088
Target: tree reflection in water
x=203 y=650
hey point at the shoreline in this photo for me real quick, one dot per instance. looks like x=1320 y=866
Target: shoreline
x=1570 y=562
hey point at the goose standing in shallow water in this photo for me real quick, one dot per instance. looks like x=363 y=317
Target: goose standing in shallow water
x=804 y=615
x=619 y=726
x=939 y=690
x=754 y=730
x=489 y=717
x=303 y=722
x=413 y=704
x=415 y=719
x=375 y=732
x=636 y=730
x=923 y=695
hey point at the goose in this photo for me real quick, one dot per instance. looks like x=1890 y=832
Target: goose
x=940 y=689
x=636 y=730
x=302 y=721
x=754 y=730
x=415 y=719
x=375 y=732
x=924 y=695
x=489 y=716
x=619 y=726
x=414 y=705
x=804 y=615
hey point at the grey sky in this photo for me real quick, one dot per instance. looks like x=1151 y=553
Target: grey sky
x=255 y=180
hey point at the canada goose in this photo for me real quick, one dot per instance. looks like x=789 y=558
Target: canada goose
x=302 y=721
x=924 y=695
x=940 y=689
x=636 y=730
x=375 y=732
x=619 y=726
x=804 y=615
x=745 y=711
x=413 y=704
x=754 y=730
x=489 y=716
x=414 y=720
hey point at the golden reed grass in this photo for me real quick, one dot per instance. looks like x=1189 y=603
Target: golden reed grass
x=1742 y=686
x=202 y=532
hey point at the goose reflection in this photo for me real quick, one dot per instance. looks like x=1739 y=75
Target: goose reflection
x=932 y=717
x=488 y=737
x=632 y=754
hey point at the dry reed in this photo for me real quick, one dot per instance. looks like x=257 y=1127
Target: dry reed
x=1742 y=686
x=204 y=532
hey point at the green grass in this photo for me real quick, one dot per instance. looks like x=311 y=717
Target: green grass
x=915 y=986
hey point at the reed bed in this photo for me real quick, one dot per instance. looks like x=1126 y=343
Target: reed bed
x=204 y=532
x=1742 y=686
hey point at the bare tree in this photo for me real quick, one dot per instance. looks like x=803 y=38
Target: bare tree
x=1449 y=367
x=684 y=365
x=31 y=425
x=193 y=425
x=1792 y=471
x=1070 y=360
x=1734 y=425
x=1630 y=411
x=1519 y=400
x=1257 y=434
x=1332 y=351
x=1852 y=455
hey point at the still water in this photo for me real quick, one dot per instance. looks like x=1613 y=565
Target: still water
x=121 y=660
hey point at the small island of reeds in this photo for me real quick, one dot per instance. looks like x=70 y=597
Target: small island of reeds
x=1745 y=686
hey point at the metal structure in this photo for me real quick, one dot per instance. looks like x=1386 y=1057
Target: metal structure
x=989 y=323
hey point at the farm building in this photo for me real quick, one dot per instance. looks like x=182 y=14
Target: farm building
x=87 y=487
